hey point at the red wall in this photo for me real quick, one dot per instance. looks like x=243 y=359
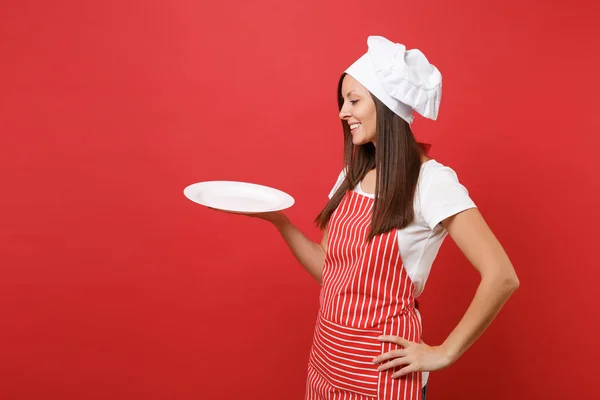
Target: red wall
x=114 y=285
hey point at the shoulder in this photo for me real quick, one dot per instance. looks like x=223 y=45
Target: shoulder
x=342 y=175
x=440 y=193
x=438 y=178
x=338 y=182
x=433 y=171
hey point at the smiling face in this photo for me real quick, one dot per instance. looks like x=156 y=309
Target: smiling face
x=358 y=111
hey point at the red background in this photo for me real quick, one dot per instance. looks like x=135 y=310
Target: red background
x=114 y=285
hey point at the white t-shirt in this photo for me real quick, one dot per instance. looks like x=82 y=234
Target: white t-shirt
x=439 y=195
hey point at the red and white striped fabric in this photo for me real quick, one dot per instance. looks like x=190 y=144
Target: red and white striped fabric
x=365 y=293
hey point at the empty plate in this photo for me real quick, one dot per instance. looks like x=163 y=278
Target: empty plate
x=238 y=196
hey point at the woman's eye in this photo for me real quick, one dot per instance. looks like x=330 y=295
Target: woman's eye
x=353 y=102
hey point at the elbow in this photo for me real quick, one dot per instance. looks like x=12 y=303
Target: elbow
x=512 y=283
x=506 y=282
x=511 y=280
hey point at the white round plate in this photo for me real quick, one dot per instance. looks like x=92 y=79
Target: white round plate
x=238 y=196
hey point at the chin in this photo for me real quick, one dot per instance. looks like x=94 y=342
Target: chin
x=357 y=140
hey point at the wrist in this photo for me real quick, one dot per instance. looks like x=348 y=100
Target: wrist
x=279 y=220
x=450 y=354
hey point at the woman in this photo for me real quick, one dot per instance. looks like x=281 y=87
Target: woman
x=388 y=213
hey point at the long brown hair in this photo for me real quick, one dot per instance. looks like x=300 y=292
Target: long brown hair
x=398 y=163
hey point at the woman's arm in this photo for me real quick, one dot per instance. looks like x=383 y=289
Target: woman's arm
x=498 y=278
x=498 y=281
x=311 y=255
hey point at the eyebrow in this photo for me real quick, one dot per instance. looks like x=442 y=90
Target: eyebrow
x=348 y=94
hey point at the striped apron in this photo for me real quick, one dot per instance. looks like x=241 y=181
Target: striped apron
x=365 y=293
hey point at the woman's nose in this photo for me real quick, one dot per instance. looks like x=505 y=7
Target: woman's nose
x=344 y=113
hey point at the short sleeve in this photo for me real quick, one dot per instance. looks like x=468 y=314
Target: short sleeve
x=443 y=196
x=339 y=181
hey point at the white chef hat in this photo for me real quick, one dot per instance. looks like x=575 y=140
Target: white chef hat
x=403 y=80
